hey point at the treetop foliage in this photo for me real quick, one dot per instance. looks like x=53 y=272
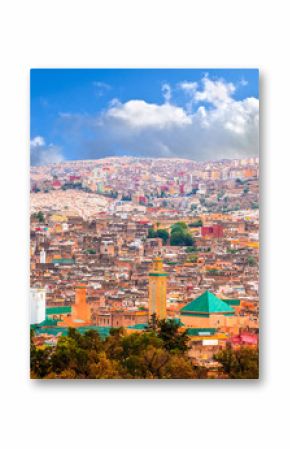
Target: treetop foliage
x=161 y=352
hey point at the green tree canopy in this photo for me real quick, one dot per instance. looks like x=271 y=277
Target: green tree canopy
x=154 y=354
x=179 y=238
x=40 y=217
x=251 y=261
x=173 y=339
x=241 y=364
x=179 y=226
x=90 y=251
x=163 y=234
x=160 y=233
x=195 y=224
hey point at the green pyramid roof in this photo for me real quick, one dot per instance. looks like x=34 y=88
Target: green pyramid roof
x=206 y=304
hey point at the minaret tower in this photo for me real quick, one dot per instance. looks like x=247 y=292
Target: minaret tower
x=157 y=290
x=81 y=312
x=81 y=309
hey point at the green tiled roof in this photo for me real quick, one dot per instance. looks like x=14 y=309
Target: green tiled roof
x=46 y=322
x=201 y=331
x=138 y=326
x=206 y=304
x=63 y=261
x=232 y=302
x=58 y=310
x=55 y=330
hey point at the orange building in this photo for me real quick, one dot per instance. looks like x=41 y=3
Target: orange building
x=81 y=313
x=157 y=290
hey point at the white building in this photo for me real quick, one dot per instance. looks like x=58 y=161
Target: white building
x=42 y=256
x=37 y=305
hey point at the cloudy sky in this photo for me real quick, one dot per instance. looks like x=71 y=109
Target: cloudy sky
x=199 y=114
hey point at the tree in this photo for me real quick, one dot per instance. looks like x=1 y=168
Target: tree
x=179 y=238
x=173 y=339
x=195 y=224
x=191 y=249
x=160 y=233
x=163 y=234
x=254 y=205
x=179 y=367
x=176 y=238
x=40 y=364
x=179 y=226
x=241 y=364
x=151 y=233
x=251 y=261
x=188 y=239
x=158 y=353
x=192 y=259
x=104 y=368
x=152 y=325
x=90 y=251
x=40 y=217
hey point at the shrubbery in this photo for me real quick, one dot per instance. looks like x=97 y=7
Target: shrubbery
x=158 y=353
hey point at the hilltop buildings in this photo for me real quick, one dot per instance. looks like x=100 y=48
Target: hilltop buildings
x=105 y=228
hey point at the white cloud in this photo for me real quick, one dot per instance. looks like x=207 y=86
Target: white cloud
x=42 y=154
x=166 y=91
x=188 y=86
x=243 y=82
x=142 y=115
x=212 y=125
x=37 y=141
x=217 y=93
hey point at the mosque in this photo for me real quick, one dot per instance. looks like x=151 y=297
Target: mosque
x=206 y=313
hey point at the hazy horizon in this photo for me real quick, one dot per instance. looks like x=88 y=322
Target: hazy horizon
x=144 y=157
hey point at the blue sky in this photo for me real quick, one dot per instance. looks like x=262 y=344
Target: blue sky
x=193 y=113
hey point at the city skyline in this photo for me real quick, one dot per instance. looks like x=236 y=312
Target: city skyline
x=145 y=259
x=144 y=224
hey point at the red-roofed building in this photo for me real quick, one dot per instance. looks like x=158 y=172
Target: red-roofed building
x=214 y=231
x=56 y=184
x=244 y=339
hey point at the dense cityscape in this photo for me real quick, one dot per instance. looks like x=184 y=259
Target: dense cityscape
x=145 y=268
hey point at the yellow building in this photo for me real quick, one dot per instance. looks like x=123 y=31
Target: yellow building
x=157 y=290
x=58 y=218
